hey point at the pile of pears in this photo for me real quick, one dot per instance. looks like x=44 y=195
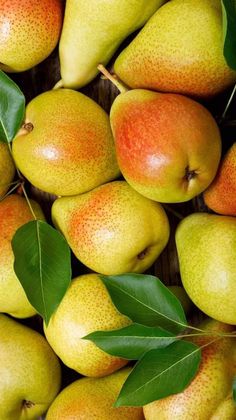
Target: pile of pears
x=113 y=179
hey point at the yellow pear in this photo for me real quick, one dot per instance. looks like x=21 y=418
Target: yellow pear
x=86 y=307
x=92 y=398
x=93 y=30
x=29 y=31
x=113 y=229
x=14 y=212
x=207 y=396
x=206 y=246
x=30 y=372
x=7 y=169
x=66 y=145
x=180 y=49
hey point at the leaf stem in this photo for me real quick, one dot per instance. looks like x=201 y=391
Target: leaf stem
x=10 y=191
x=28 y=202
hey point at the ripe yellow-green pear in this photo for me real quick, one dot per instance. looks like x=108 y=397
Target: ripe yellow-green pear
x=113 y=229
x=65 y=146
x=90 y=398
x=30 y=372
x=206 y=246
x=14 y=212
x=207 y=396
x=168 y=146
x=7 y=169
x=85 y=308
x=29 y=31
x=93 y=30
x=180 y=49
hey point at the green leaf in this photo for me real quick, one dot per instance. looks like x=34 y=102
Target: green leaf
x=234 y=390
x=160 y=373
x=42 y=264
x=145 y=300
x=229 y=31
x=131 y=342
x=12 y=108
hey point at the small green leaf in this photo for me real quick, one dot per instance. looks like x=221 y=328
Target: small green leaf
x=12 y=108
x=145 y=300
x=160 y=373
x=229 y=31
x=234 y=390
x=42 y=264
x=131 y=342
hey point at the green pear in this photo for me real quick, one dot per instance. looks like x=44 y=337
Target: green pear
x=168 y=146
x=206 y=246
x=93 y=30
x=209 y=393
x=112 y=229
x=180 y=49
x=14 y=212
x=90 y=398
x=29 y=32
x=65 y=146
x=29 y=372
x=85 y=308
x=7 y=169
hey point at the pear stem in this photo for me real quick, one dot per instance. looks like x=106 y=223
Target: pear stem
x=228 y=104
x=58 y=85
x=28 y=202
x=10 y=191
x=175 y=213
x=112 y=79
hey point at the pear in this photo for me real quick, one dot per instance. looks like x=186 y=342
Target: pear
x=66 y=145
x=30 y=372
x=206 y=246
x=14 y=212
x=207 y=396
x=93 y=30
x=220 y=196
x=85 y=308
x=172 y=53
x=7 y=169
x=91 y=398
x=112 y=229
x=29 y=32
x=168 y=146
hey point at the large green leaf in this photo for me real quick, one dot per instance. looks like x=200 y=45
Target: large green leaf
x=145 y=300
x=12 y=108
x=42 y=264
x=160 y=373
x=131 y=342
x=229 y=31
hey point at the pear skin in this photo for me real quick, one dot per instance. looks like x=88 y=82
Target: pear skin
x=220 y=196
x=30 y=374
x=14 y=212
x=29 y=32
x=90 y=398
x=93 y=30
x=66 y=147
x=172 y=54
x=168 y=146
x=206 y=247
x=85 y=308
x=113 y=229
x=207 y=391
x=7 y=169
